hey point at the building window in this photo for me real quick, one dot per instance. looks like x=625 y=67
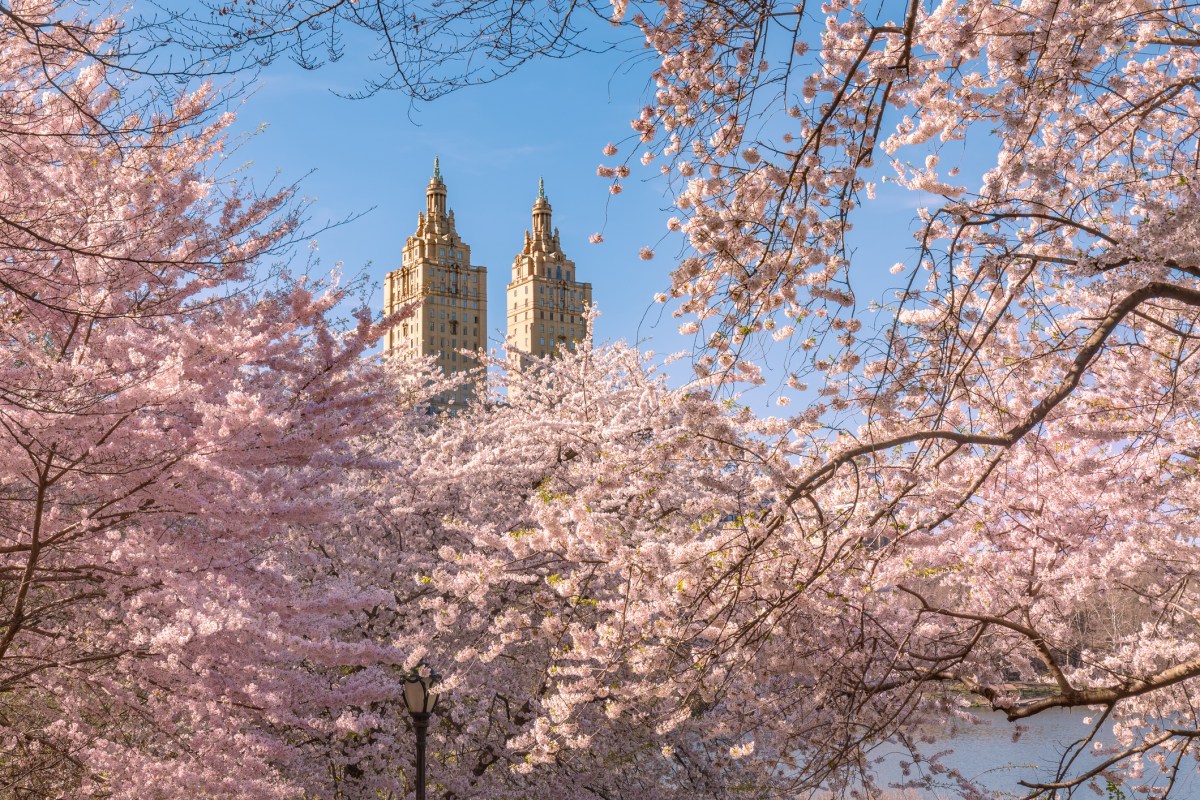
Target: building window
x=542 y=342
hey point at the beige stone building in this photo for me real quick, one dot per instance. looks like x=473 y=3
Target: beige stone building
x=436 y=271
x=545 y=300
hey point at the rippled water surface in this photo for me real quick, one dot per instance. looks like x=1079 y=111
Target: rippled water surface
x=988 y=754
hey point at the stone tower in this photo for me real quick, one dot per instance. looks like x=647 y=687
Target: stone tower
x=545 y=300
x=436 y=272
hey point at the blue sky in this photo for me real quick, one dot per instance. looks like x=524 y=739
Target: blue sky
x=373 y=157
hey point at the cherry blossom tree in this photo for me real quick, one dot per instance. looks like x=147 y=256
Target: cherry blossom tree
x=1011 y=445
x=1004 y=444
x=542 y=551
x=169 y=410
x=1001 y=448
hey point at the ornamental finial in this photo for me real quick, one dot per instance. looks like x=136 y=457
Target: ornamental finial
x=542 y=190
x=437 y=169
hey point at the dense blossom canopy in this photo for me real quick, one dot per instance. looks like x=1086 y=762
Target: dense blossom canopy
x=167 y=414
x=1009 y=458
x=219 y=516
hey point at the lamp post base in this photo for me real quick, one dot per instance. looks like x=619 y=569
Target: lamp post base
x=421 y=724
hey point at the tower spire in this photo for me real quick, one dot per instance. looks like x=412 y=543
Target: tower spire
x=541 y=217
x=436 y=210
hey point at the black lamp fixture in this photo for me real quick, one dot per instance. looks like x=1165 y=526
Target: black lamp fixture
x=422 y=701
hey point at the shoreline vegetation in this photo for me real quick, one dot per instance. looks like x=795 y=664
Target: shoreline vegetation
x=1026 y=691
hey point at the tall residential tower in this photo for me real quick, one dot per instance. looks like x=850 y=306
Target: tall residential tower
x=545 y=300
x=436 y=271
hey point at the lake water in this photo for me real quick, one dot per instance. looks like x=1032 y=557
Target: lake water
x=987 y=754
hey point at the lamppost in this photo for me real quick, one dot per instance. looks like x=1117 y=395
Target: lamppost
x=421 y=702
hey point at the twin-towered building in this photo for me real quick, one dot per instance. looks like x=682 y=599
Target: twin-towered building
x=545 y=302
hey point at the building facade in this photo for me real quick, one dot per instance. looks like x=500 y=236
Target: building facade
x=545 y=301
